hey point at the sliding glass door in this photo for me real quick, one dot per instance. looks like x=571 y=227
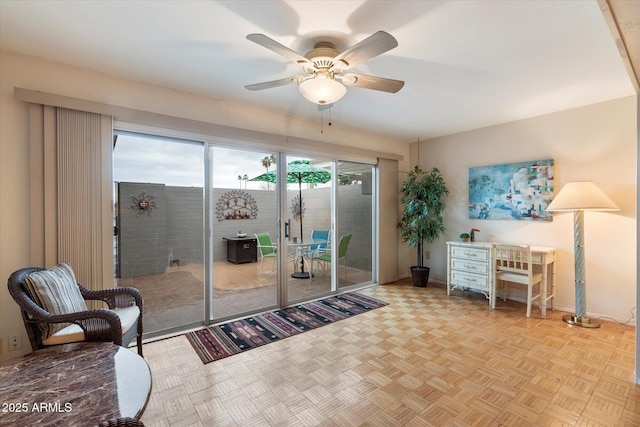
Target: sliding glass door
x=158 y=238
x=207 y=233
x=355 y=231
x=309 y=237
x=244 y=233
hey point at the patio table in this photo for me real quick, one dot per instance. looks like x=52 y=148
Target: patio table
x=299 y=247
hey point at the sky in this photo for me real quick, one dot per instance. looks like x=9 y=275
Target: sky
x=141 y=159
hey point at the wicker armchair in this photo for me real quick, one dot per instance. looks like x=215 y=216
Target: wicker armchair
x=99 y=324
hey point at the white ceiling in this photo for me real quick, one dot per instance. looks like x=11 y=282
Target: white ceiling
x=466 y=64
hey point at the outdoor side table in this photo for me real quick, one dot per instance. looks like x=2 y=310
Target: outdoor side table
x=241 y=250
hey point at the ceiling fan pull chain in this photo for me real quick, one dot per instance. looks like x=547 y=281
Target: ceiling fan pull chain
x=321 y=121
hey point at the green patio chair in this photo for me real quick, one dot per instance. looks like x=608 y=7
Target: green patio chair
x=267 y=250
x=343 y=245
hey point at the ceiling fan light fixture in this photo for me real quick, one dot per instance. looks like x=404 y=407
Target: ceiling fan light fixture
x=322 y=89
x=324 y=62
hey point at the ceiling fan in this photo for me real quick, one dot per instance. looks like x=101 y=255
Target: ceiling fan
x=325 y=79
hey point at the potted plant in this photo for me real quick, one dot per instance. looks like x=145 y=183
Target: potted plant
x=423 y=196
x=465 y=237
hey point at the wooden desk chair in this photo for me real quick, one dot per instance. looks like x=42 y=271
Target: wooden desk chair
x=513 y=265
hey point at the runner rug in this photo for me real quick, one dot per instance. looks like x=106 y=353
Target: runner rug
x=227 y=339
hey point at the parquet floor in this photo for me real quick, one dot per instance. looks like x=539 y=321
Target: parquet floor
x=424 y=360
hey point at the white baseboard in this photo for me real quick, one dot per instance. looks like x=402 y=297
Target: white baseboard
x=603 y=317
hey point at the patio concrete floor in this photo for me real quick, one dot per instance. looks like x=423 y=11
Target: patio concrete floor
x=175 y=298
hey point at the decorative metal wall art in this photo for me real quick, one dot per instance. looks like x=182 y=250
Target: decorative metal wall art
x=236 y=204
x=515 y=191
x=297 y=207
x=144 y=204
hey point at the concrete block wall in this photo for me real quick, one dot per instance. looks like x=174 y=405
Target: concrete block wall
x=184 y=223
x=173 y=233
x=354 y=217
x=142 y=238
x=264 y=221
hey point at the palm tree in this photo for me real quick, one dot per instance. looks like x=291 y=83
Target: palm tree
x=268 y=161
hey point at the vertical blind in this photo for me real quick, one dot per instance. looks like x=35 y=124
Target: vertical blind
x=71 y=175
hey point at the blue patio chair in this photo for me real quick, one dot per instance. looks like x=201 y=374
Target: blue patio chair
x=321 y=248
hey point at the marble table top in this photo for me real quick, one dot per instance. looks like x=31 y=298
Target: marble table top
x=79 y=384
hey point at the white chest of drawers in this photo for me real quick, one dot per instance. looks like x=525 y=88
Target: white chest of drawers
x=470 y=266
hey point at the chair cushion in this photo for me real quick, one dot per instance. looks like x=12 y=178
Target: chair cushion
x=56 y=291
x=128 y=316
x=74 y=333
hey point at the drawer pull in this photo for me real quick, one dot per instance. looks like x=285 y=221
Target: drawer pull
x=470 y=267
x=470 y=279
x=470 y=254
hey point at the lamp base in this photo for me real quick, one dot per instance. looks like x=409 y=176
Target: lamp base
x=585 y=322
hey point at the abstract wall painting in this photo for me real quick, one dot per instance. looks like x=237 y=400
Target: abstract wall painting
x=513 y=191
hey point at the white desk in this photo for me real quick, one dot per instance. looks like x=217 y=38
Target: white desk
x=471 y=265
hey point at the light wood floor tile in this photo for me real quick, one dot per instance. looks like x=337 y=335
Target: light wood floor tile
x=312 y=417
x=426 y=359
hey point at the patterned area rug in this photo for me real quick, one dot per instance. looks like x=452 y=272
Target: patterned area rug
x=227 y=339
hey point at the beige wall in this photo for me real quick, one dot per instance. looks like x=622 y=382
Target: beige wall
x=637 y=254
x=597 y=143
x=39 y=75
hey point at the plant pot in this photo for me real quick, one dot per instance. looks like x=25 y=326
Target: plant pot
x=420 y=276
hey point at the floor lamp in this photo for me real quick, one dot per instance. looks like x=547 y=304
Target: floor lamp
x=578 y=197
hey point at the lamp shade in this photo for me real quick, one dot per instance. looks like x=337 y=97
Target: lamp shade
x=322 y=89
x=581 y=196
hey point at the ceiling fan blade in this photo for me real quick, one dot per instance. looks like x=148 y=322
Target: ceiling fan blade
x=372 y=82
x=273 y=83
x=278 y=48
x=368 y=48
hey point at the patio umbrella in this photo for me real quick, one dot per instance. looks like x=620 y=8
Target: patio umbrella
x=299 y=171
